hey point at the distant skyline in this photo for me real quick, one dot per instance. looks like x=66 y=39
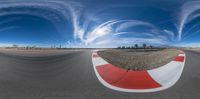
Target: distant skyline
x=99 y=23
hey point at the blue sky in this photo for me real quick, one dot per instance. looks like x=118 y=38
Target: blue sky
x=99 y=23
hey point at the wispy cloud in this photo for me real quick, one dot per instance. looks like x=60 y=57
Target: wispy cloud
x=56 y=12
x=187 y=14
x=110 y=32
x=117 y=28
x=9 y=28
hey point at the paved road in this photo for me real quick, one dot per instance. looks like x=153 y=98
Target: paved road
x=72 y=76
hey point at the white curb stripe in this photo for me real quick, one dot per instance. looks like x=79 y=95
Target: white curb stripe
x=167 y=74
x=99 y=61
x=181 y=55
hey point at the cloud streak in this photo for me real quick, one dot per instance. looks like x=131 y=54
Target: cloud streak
x=112 y=32
x=187 y=14
x=57 y=12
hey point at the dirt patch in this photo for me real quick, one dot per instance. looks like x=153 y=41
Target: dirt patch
x=141 y=60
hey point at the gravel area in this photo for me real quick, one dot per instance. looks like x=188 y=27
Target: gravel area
x=142 y=60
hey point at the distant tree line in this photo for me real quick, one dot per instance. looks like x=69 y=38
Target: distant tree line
x=136 y=46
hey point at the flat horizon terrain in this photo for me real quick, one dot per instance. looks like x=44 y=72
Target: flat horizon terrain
x=38 y=52
x=193 y=49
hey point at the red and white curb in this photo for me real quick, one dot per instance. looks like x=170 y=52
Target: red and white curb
x=138 y=81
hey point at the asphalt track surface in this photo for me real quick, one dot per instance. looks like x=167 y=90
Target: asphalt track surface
x=71 y=76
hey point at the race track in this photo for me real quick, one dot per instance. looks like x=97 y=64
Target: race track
x=71 y=76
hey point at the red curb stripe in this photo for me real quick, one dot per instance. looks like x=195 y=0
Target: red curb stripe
x=130 y=80
x=110 y=73
x=180 y=58
x=104 y=68
x=137 y=80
